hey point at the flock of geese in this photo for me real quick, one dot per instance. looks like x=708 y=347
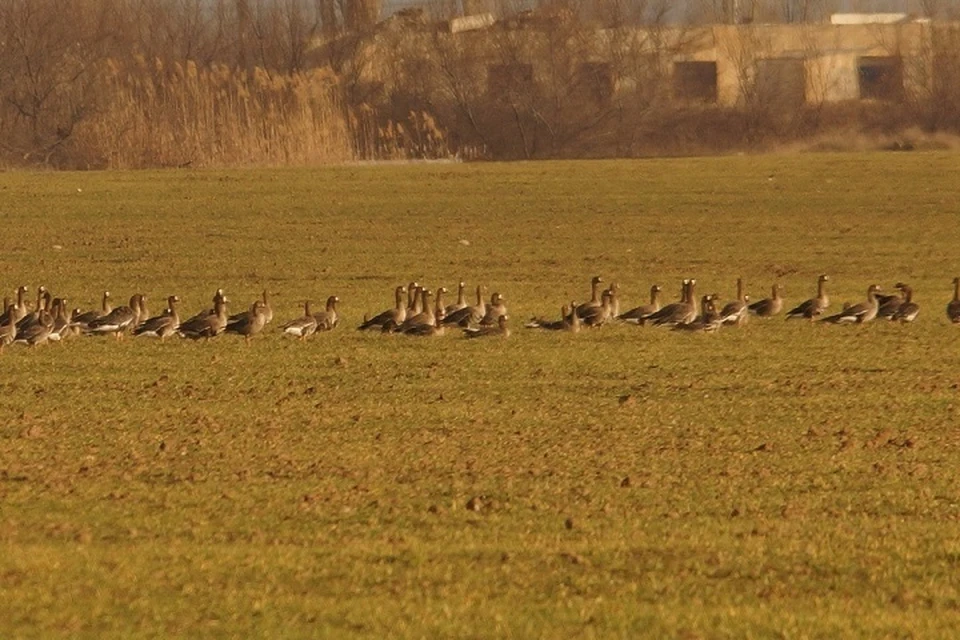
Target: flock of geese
x=418 y=311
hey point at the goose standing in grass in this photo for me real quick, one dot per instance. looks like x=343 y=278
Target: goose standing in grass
x=20 y=308
x=162 y=326
x=889 y=304
x=500 y=329
x=302 y=327
x=736 y=312
x=118 y=320
x=207 y=325
x=414 y=299
x=953 y=307
x=8 y=326
x=614 y=291
x=680 y=312
x=860 y=312
x=908 y=310
x=497 y=308
x=598 y=316
x=250 y=323
x=394 y=316
x=33 y=317
x=425 y=317
x=768 y=307
x=62 y=327
x=37 y=333
x=594 y=301
x=468 y=315
x=639 y=315
x=84 y=319
x=461 y=302
x=439 y=311
x=329 y=318
x=708 y=321
x=217 y=296
x=813 y=307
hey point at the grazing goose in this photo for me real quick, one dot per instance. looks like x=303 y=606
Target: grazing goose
x=425 y=317
x=162 y=326
x=639 y=315
x=953 y=307
x=813 y=307
x=497 y=308
x=500 y=329
x=736 y=312
x=302 y=327
x=469 y=315
x=118 y=320
x=461 y=302
x=37 y=333
x=394 y=316
x=84 y=319
x=250 y=323
x=206 y=325
x=678 y=312
x=595 y=283
x=329 y=318
x=908 y=309
x=860 y=312
x=768 y=307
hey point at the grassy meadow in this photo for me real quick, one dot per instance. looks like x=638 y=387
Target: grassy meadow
x=781 y=480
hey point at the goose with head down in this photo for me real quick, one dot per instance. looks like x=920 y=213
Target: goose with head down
x=499 y=330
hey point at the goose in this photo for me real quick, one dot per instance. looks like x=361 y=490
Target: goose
x=553 y=325
x=597 y=316
x=162 y=326
x=709 y=320
x=396 y=316
x=426 y=316
x=206 y=325
x=267 y=309
x=953 y=307
x=8 y=326
x=614 y=291
x=572 y=321
x=889 y=304
x=639 y=315
x=678 y=312
x=20 y=309
x=302 y=327
x=37 y=333
x=84 y=319
x=813 y=307
x=860 y=312
x=500 y=329
x=908 y=309
x=212 y=311
x=117 y=321
x=469 y=315
x=439 y=311
x=62 y=326
x=768 y=307
x=329 y=318
x=33 y=317
x=497 y=308
x=461 y=302
x=414 y=299
x=595 y=282
x=736 y=312
x=250 y=323
x=426 y=330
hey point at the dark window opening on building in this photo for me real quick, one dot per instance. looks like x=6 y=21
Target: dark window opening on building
x=695 y=81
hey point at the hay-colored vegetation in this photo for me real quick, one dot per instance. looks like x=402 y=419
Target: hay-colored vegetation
x=783 y=480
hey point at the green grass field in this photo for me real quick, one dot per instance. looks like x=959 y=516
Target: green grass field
x=781 y=480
